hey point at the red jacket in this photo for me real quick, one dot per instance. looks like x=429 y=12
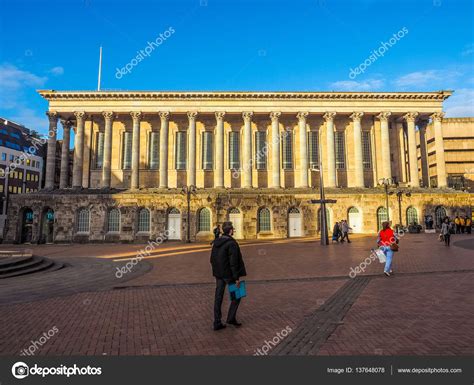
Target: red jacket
x=386 y=237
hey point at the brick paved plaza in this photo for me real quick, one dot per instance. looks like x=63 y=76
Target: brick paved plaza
x=164 y=305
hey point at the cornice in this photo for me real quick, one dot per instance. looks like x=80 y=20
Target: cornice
x=194 y=95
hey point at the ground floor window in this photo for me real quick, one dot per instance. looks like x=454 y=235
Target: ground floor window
x=263 y=220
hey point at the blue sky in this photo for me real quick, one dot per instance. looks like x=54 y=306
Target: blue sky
x=298 y=45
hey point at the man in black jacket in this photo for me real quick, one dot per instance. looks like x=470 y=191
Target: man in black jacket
x=227 y=266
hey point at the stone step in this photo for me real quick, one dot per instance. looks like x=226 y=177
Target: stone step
x=20 y=265
x=28 y=265
x=14 y=260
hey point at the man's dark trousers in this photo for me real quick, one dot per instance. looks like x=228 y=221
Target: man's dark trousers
x=219 y=297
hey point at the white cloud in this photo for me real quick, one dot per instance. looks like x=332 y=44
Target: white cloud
x=426 y=78
x=13 y=78
x=461 y=103
x=57 y=71
x=15 y=83
x=352 y=85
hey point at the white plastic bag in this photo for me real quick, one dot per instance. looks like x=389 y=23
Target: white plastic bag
x=380 y=255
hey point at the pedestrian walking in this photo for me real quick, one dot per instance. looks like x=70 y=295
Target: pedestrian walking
x=345 y=231
x=446 y=231
x=217 y=233
x=227 y=267
x=388 y=243
x=336 y=232
x=468 y=225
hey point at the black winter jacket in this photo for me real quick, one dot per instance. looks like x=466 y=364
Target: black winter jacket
x=226 y=259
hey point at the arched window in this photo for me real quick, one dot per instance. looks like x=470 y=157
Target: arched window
x=412 y=216
x=144 y=221
x=293 y=210
x=264 y=221
x=381 y=217
x=204 y=220
x=353 y=210
x=440 y=214
x=234 y=210
x=83 y=222
x=174 y=210
x=113 y=220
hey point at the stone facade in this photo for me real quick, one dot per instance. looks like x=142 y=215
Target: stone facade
x=252 y=157
x=66 y=206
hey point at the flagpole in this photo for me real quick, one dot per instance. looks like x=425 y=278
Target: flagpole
x=100 y=68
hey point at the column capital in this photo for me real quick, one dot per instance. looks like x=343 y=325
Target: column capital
x=136 y=115
x=247 y=115
x=383 y=116
x=329 y=116
x=192 y=115
x=356 y=116
x=79 y=115
x=66 y=123
x=220 y=115
x=275 y=115
x=437 y=116
x=410 y=116
x=164 y=115
x=52 y=116
x=108 y=115
x=301 y=116
x=422 y=123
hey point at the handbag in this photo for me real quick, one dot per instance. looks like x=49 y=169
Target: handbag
x=394 y=247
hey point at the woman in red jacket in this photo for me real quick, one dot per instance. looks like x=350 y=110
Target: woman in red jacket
x=385 y=239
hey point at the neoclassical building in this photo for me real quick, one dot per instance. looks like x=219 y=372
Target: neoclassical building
x=253 y=158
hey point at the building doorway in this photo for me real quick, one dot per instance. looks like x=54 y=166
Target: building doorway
x=174 y=224
x=354 y=217
x=235 y=216
x=26 y=234
x=47 y=227
x=295 y=223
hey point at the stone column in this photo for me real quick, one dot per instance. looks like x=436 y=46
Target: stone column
x=78 y=150
x=385 y=141
x=425 y=175
x=247 y=153
x=331 y=156
x=51 y=154
x=164 y=117
x=64 y=176
x=276 y=183
x=136 y=116
x=192 y=148
x=106 y=164
x=413 y=159
x=303 y=153
x=439 y=147
x=219 y=168
x=358 y=163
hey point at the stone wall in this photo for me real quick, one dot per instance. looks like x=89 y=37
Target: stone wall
x=66 y=204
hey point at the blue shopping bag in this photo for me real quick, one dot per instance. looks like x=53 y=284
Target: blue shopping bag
x=237 y=292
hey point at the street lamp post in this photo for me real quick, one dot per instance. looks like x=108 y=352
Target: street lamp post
x=400 y=194
x=188 y=190
x=386 y=183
